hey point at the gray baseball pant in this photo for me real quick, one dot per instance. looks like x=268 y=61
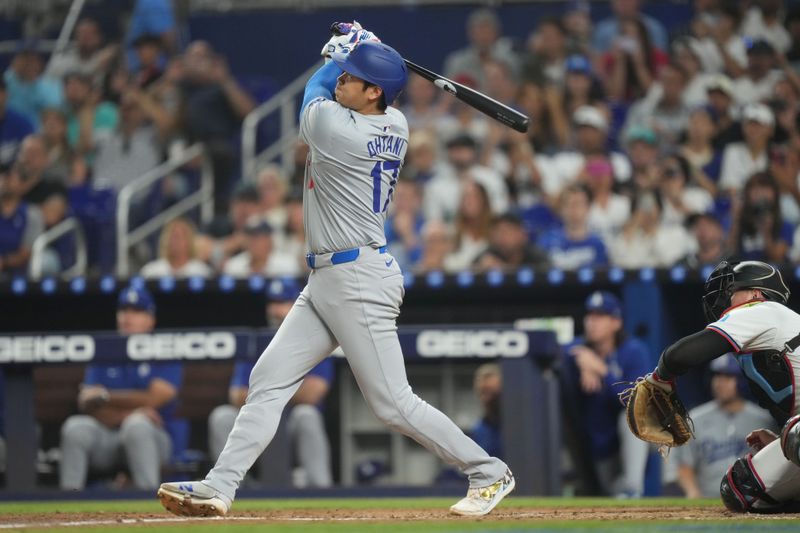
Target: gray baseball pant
x=139 y=443
x=354 y=305
x=306 y=429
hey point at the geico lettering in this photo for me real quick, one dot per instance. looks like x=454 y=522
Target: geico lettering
x=472 y=343
x=47 y=349
x=194 y=345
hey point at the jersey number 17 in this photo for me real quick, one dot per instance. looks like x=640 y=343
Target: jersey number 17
x=377 y=175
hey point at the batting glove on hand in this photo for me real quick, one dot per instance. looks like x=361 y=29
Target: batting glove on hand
x=346 y=35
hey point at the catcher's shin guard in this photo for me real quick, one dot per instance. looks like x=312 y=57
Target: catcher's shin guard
x=741 y=489
x=790 y=440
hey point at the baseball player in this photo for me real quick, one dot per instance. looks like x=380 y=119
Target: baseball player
x=353 y=296
x=305 y=424
x=746 y=305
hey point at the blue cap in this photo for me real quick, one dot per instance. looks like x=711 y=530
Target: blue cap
x=283 y=290
x=137 y=298
x=580 y=64
x=376 y=63
x=604 y=302
x=726 y=364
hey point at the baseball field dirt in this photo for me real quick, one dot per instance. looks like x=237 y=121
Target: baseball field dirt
x=395 y=515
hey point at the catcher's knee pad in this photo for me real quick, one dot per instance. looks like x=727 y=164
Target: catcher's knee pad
x=790 y=440
x=741 y=487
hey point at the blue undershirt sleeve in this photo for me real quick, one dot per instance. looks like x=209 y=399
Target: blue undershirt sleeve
x=321 y=84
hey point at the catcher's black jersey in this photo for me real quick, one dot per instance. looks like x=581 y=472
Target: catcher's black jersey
x=758 y=332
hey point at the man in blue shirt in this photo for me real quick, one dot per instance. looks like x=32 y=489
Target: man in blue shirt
x=29 y=91
x=128 y=410
x=305 y=423
x=573 y=246
x=20 y=223
x=607 y=30
x=13 y=128
x=596 y=367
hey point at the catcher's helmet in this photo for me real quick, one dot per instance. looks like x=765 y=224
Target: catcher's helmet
x=728 y=278
x=378 y=64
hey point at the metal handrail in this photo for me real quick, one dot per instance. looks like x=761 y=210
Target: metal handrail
x=66 y=30
x=285 y=102
x=203 y=197
x=53 y=234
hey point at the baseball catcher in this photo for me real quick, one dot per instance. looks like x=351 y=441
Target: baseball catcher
x=745 y=303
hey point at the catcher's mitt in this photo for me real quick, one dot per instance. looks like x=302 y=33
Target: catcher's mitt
x=655 y=414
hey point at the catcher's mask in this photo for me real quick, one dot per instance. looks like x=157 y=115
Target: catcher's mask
x=728 y=278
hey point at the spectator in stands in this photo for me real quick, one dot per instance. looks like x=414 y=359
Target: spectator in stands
x=644 y=241
x=721 y=101
x=13 y=128
x=758 y=82
x=686 y=55
x=148 y=50
x=224 y=237
x=681 y=195
x=38 y=178
x=473 y=224
x=574 y=246
x=509 y=247
x=443 y=191
x=721 y=45
x=213 y=106
x=88 y=118
x=151 y=17
x=578 y=25
x=486 y=43
x=721 y=427
x=666 y=114
x=29 y=91
x=764 y=21
x=581 y=86
x=134 y=147
x=437 y=244
x=403 y=226
x=607 y=30
x=305 y=423
x=176 y=251
x=793 y=26
x=609 y=210
x=547 y=53
x=591 y=139
x=62 y=159
x=632 y=63
x=59 y=254
x=421 y=109
x=709 y=236
x=488 y=385
x=85 y=54
x=548 y=129
x=260 y=256
x=127 y=410
x=422 y=160
x=698 y=149
x=641 y=144
x=595 y=366
x=758 y=231
x=293 y=240
x=273 y=188
x=742 y=159
x=462 y=119
x=501 y=81
x=20 y=223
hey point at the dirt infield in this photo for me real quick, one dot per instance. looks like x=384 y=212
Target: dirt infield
x=510 y=514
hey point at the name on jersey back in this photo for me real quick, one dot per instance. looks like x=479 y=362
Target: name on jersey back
x=390 y=144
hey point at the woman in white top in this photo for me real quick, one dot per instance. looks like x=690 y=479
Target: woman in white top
x=272 y=184
x=680 y=196
x=473 y=223
x=176 y=252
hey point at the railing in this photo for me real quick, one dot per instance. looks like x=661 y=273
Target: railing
x=285 y=102
x=66 y=30
x=41 y=242
x=203 y=198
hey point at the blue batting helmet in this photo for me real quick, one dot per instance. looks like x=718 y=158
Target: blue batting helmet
x=378 y=64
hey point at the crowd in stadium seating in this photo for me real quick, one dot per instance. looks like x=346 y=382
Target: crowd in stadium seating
x=647 y=148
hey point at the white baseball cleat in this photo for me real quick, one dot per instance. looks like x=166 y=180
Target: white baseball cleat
x=481 y=500
x=193 y=498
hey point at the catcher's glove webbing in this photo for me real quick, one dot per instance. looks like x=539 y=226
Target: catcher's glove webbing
x=655 y=414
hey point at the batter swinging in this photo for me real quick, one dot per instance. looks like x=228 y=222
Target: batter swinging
x=355 y=289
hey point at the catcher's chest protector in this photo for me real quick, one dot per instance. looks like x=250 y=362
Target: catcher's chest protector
x=769 y=375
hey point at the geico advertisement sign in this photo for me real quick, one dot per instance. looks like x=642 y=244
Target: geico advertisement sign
x=46 y=348
x=213 y=345
x=472 y=343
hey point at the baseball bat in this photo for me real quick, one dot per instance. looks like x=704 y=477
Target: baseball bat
x=489 y=106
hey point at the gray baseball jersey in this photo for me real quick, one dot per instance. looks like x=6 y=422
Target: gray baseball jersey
x=352 y=169
x=719 y=441
x=354 y=163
